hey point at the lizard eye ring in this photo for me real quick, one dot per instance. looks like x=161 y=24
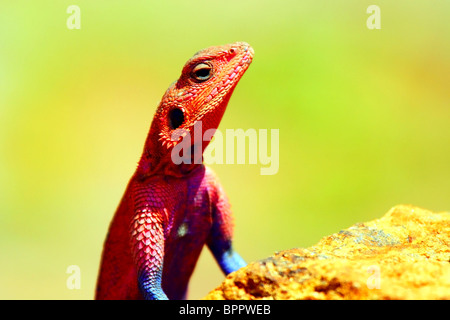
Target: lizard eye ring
x=202 y=72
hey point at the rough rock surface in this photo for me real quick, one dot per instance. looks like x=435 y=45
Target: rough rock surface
x=403 y=255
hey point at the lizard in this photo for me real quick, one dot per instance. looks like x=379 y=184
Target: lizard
x=170 y=211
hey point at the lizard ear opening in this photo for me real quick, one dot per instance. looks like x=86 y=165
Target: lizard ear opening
x=176 y=118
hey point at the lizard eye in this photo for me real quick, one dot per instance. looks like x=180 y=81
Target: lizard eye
x=202 y=72
x=176 y=118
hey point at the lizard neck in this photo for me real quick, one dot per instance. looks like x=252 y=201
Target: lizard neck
x=157 y=160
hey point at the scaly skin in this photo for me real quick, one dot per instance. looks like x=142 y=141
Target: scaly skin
x=169 y=211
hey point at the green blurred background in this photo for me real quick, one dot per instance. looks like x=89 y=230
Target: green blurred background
x=363 y=115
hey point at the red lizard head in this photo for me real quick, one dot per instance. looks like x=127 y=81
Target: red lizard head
x=200 y=95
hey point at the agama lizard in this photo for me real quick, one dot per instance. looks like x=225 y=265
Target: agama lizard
x=170 y=211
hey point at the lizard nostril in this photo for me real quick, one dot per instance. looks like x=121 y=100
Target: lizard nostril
x=176 y=118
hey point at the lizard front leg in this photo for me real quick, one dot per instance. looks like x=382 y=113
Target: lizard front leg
x=228 y=259
x=220 y=238
x=147 y=243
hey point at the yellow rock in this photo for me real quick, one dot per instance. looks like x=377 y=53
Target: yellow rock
x=403 y=255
